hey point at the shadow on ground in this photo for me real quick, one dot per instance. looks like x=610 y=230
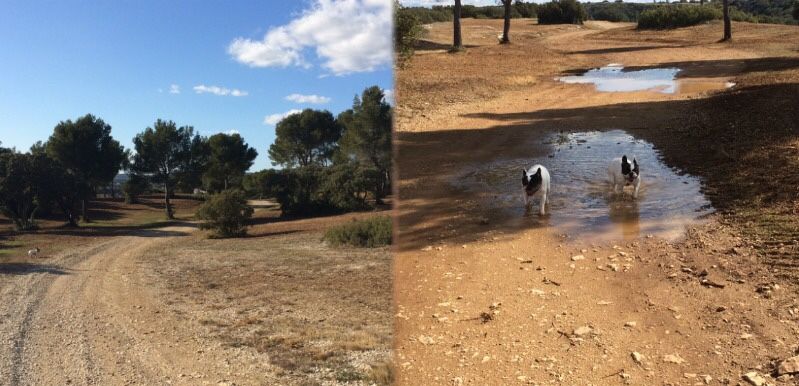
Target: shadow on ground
x=29 y=268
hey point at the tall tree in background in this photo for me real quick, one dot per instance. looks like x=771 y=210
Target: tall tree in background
x=506 y=26
x=229 y=159
x=727 y=22
x=87 y=150
x=367 y=137
x=17 y=189
x=194 y=166
x=162 y=152
x=457 y=43
x=796 y=10
x=304 y=139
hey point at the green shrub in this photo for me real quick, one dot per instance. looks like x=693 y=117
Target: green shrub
x=407 y=31
x=562 y=12
x=226 y=214
x=370 y=233
x=675 y=16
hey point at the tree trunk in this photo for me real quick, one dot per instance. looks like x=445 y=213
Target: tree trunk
x=727 y=23
x=457 y=43
x=84 y=210
x=506 y=28
x=701 y=2
x=168 y=206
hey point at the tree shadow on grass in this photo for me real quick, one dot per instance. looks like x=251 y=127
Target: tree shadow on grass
x=716 y=68
x=29 y=268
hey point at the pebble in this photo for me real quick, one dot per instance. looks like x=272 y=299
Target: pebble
x=789 y=366
x=754 y=378
x=673 y=358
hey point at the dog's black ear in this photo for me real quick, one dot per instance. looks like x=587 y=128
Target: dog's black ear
x=625 y=166
x=635 y=166
x=525 y=180
x=538 y=172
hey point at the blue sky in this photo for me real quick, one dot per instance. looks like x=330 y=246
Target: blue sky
x=234 y=63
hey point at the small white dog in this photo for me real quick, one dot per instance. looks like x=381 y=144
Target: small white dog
x=535 y=182
x=623 y=173
x=33 y=252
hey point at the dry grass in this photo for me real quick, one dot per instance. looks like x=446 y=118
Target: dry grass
x=109 y=218
x=318 y=314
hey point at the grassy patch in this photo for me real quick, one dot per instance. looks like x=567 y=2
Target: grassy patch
x=371 y=232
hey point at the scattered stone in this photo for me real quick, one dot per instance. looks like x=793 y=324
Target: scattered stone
x=721 y=309
x=426 y=340
x=614 y=267
x=427 y=248
x=754 y=378
x=789 y=366
x=637 y=357
x=711 y=283
x=630 y=324
x=578 y=257
x=673 y=358
x=746 y=336
x=582 y=330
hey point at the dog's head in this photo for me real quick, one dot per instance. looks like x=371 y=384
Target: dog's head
x=531 y=182
x=630 y=171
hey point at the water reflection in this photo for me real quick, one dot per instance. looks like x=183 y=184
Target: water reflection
x=613 y=78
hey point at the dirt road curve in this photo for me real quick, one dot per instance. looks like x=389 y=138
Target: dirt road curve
x=88 y=317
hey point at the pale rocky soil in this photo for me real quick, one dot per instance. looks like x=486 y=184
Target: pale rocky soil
x=169 y=306
x=483 y=299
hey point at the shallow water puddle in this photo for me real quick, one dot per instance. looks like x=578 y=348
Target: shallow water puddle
x=581 y=201
x=614 y=78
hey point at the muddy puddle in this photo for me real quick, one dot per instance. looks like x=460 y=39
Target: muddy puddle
x=615 y=78
x=581 y=201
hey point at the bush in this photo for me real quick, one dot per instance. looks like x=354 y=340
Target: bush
x=407 y=31
x=675 y=16
x=370 y=233
x=616 y=12
x=562 y=12
x=226 y=213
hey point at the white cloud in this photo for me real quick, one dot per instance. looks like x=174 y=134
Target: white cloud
x=216 y=90
x=273 y=119
x=429 y=3
x=232 y=131
x=347 y=36
x=174 y=89
x=313 y=99
x=388 y=96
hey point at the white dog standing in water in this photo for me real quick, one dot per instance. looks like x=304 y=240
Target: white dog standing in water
x=623 y=173
x=536 y=184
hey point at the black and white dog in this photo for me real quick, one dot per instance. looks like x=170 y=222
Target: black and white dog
x=536 y=184
x=623 y=173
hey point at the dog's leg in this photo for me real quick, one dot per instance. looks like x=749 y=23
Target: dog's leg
x=637 y=185
x=543 y=202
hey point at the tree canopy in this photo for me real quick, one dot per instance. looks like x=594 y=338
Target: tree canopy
x=228 y=160
x=304 y=139
x=162 y=152
x=86 y=149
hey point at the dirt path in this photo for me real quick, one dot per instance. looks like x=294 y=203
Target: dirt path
x=90 y=317
x=487 y=299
